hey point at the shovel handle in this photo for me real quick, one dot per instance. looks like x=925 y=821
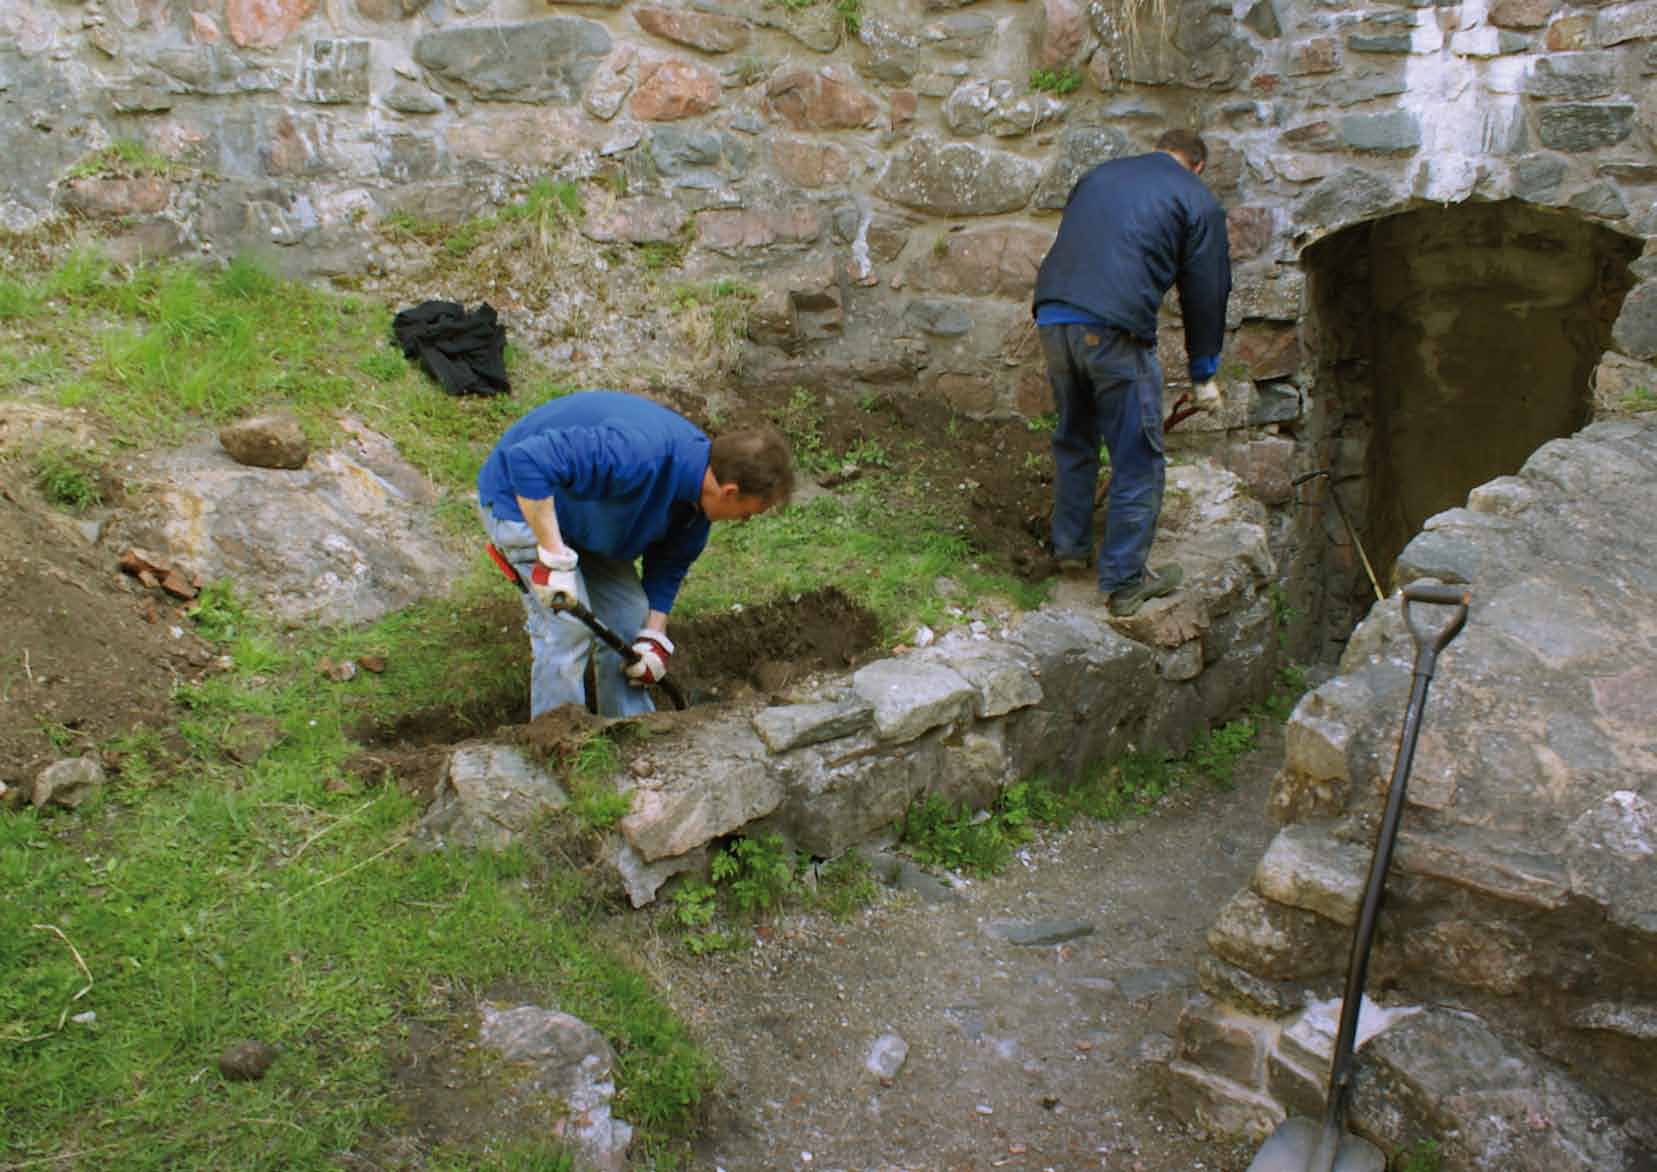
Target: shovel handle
x=1427 y=646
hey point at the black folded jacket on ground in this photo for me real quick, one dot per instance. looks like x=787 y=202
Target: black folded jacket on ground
x=465 y=352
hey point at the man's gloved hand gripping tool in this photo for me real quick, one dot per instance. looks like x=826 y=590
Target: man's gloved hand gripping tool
x=613 y=640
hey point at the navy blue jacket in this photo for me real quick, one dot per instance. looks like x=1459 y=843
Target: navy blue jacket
x=1133 y=228
x=625 y=478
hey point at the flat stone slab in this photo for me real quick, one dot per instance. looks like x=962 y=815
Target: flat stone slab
x=1037 y=933
x=1488 y=1102
x=911 y=696
x=790 y=726
x=1307 y=867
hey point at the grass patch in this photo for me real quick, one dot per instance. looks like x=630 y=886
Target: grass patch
x=164 y=350
x=196 y=903
x=123 y=158
x=885 y=558
x=594 y=798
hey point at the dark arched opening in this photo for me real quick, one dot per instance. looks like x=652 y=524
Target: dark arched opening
x=1447 y=345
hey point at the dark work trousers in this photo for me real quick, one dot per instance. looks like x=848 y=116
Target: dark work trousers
x=1107 y=387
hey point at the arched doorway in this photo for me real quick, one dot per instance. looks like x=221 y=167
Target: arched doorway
x=1446 y=344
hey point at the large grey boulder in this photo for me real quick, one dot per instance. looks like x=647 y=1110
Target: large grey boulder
x=347 y=538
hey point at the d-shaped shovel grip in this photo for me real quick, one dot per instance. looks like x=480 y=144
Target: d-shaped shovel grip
x=1429 y=643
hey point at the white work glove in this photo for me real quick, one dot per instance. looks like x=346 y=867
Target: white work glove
x=654 y=650
x=1208 y=395
x=552 y=581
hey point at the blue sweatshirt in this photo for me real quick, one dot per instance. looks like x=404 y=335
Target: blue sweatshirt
x=625 y=477
x=1134 y=228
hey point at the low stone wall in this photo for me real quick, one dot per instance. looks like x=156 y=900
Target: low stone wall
x=1047 y=693
x=1522 y=894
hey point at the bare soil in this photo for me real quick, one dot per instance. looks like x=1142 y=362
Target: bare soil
x=1024 y=1057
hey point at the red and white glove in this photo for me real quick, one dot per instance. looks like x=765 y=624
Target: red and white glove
x=553 y=581
x=1208 y=395
x=654 y=650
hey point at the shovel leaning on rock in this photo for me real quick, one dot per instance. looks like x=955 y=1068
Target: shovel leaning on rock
x=1302 y=1145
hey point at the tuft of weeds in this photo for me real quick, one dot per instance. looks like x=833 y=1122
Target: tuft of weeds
x=1638 y=400
x=696 y=911
x=1056 y=81
x=712 y=318
x=759 y=871
x=594 y=798
x=1424 y=1157
x=1292 y=683
x=751 y=878
x=656 y=255
x=948 y=834
x=1216 y=752
x=67 y=478
x=124 y=158
x=801 y=420
x=844 y=885
x=548 y=208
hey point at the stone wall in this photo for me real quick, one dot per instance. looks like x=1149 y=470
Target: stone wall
x=999 y=699
x=1522 y=901
x=887 y=172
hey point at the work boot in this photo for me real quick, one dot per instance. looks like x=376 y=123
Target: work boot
x=1125 y=601
x=1069 y=561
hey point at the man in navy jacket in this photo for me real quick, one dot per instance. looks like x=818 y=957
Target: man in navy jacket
x=583 y=486
x=1132 y=229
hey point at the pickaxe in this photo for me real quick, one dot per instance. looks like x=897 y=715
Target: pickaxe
x=580 y=611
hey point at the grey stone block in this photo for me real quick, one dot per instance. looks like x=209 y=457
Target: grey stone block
x=790 y=726
x=909 y=697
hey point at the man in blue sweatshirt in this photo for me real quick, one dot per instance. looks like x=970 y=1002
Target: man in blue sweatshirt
x=583 y=486
x=1132 y=229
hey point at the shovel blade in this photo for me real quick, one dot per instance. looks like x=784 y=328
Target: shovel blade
x=1294 y=1145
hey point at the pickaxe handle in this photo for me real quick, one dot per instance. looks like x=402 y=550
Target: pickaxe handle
x=614 y=641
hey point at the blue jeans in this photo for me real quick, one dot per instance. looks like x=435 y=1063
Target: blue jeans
x=1107 y=387
x=561 y=643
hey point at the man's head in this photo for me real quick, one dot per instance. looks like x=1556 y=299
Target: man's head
x=748 y=472
x=1187 y=146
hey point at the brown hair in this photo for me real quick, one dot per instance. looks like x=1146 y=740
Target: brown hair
x=1187 y=144
x=757 y=461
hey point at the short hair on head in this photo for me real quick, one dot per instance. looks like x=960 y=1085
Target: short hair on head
x=757 y=460
x=1187 y=144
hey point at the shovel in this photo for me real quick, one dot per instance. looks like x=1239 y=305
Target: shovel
x=616 y=643
x=1302 y=1145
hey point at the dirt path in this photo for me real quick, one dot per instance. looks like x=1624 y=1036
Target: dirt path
x=1019 y=1057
